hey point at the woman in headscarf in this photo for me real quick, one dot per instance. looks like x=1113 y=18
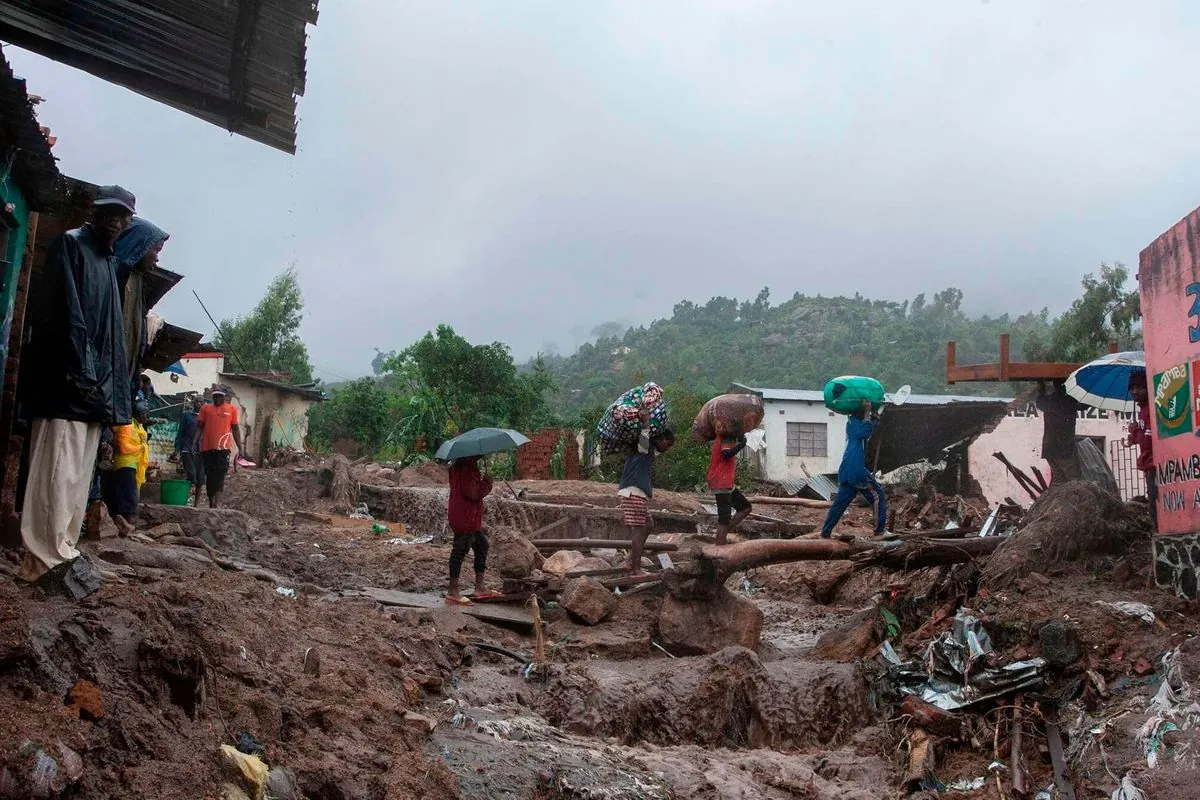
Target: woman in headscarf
x=137 y=252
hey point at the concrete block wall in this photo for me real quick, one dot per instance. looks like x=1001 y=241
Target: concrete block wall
x=533 y=459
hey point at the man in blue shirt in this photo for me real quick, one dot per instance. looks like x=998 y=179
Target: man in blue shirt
x=189 y=456
x=853 y=475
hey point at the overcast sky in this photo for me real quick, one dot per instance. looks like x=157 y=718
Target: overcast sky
x=527 y=170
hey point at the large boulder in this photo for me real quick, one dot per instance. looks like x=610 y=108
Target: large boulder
x=696 y=627
x=511 y=554
x=565 y=561
x=587 y=599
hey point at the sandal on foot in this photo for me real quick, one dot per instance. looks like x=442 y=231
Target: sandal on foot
x=457 y=601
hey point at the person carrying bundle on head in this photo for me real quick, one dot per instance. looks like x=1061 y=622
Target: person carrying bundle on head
x=636 y=487
x=853 y=476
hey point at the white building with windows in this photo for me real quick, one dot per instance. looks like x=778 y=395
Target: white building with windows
x=802 y=435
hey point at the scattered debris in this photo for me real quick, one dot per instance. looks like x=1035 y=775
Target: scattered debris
x=1130 y=609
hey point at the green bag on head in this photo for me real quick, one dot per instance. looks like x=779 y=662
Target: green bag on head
x=845 y=395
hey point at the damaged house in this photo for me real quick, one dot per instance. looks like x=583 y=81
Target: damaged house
x=804 y=440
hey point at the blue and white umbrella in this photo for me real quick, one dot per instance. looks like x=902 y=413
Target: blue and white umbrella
x=1104 y=383
x=176 y=368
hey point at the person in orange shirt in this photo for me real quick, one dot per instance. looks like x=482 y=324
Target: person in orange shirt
x=216 y=430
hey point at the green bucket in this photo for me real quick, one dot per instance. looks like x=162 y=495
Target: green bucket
x=175 y=493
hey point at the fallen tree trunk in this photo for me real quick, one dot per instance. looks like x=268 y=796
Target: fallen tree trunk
x=704 y=576
x=929 y=553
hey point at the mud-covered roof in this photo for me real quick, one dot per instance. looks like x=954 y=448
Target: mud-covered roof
x=239 y=64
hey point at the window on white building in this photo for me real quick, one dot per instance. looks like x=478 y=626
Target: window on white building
x=807 y=439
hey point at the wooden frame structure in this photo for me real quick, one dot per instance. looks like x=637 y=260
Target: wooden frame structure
x=1006 y=369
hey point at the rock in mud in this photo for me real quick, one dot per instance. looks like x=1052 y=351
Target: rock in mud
x=696 y=627
x=282 y=785
x=511 y=554
x=75 y=579
x=1060 y=644
x=165 y=529
x=565 y=561
x=588 y=600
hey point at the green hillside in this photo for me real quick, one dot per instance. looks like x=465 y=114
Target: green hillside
x=800 y=343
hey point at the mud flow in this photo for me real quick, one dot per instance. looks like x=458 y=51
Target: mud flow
x=279 y=648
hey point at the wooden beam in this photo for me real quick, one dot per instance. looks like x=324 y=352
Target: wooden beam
x=789 y=501
x=1004 y=354
x=599 y=544
x=951 y=353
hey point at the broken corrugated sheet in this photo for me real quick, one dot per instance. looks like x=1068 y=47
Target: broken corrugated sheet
x=819 y=486
x=239 y=65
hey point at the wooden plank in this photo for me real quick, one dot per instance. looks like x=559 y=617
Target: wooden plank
x=951 y=355
x=488 y=613
x=789 y=501
x=1004 y=352
x=599 y=544
x=558 y=523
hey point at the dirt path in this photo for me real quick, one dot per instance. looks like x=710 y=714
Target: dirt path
x=244 y=625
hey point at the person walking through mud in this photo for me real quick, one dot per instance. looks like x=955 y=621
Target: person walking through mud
x=216 y=429
x=78 y=380
x=189 y=456
x=722 y=469
x=636 y=487
x=468 y=488
x=853 y=476
x=1060 y=413
x=1139 y=436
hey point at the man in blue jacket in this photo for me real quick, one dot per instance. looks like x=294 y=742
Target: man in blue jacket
x=76 y=380
x=853 y=475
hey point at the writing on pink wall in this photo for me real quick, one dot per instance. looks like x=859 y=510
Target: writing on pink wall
x=1169 y=280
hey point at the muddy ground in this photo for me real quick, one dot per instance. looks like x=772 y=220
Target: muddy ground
x=247 y=626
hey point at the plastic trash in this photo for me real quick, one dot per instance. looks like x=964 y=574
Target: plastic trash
x=283 y=591
x=251 y=769
x=362 y=512
x=1128 y=790
x=379 y=527
x=1128 y=608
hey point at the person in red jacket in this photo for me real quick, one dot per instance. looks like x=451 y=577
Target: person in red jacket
x=468 y=487
x=722 y=467
x=1139 y=434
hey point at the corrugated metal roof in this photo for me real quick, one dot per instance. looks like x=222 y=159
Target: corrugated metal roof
x=811 y=396
x=239 y=64
x=307 y=392
x=34 y=169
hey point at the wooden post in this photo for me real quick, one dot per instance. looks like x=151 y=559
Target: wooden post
x=951 y=352
x=1004 y=350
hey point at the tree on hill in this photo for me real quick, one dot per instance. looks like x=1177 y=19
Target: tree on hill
x=268 y=339
x=800 y=343
x=1107 y=311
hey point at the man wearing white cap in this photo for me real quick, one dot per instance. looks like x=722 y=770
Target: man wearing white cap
x=78 y=380
x=216 y=429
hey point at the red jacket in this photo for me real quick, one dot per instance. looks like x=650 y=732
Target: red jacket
x=1139 y=434
x=468 y=487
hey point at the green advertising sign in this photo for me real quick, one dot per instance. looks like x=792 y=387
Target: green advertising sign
x=1173 y=401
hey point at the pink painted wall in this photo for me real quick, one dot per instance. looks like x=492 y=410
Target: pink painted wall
x=1019 y=437
x=1169 y=278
